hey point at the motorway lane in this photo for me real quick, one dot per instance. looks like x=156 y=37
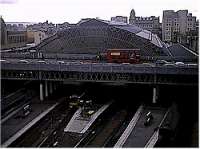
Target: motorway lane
x=14 y=124
x=43 y=127
x=141 y=134
x=111 y=126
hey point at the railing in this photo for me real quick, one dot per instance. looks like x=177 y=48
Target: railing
x=102 y=67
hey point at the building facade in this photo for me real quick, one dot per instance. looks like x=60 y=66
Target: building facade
x=47 y=27
x=120 y=19
x=12 y=39
x=30 y=37
x=62 y=26
x=3 y=33
x=15 y=27
x=151 y=23
x=36 y=37
x=180 y=27
x=39 y=36
x=16 y=39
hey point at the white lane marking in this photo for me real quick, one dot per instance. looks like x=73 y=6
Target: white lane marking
x=129 y=129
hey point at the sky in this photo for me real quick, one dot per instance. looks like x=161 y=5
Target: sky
x=59 y=11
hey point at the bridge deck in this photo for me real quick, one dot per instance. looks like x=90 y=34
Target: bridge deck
x=102 y=67
x=101 y=72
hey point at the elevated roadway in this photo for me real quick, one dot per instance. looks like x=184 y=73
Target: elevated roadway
x=54 y=70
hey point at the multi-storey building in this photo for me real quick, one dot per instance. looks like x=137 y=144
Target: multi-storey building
x=180 y=27
x=15 y=27
x=62 y=26
x=39 y=36
x=36 y=37
x=120 y=19
x=47 y=27
x=11 y=39
x=151 y=23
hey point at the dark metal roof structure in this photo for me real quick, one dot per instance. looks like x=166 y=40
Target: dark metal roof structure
x=179 y=50
x=93 y=36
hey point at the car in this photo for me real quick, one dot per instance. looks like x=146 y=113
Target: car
x=74 y=101
x=74 y=96
x=90 y=112
x=149 y=115
x=169 y=64
x=161 y=62
x=60 y=62
x=148 y=64
x=32 y=51
x=4 y=61
x=125 y=63
x=179 y=64
x=74 y=62
x=23 y=61
x=55 y=143
x=192 y=64
x=26 y=110
x=148 y=119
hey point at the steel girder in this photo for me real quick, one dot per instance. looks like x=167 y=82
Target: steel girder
x=153 y=79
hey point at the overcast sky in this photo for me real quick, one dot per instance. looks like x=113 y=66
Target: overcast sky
x=59 y=11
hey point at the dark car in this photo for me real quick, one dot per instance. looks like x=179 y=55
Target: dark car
x=149 y=118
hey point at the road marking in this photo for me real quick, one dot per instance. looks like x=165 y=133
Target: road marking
x=129 y=129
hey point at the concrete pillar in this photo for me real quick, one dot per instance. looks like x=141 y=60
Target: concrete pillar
x=50 y=87
x=46 y=89
x=41 y=92
x=55 y=86
x=154 y=95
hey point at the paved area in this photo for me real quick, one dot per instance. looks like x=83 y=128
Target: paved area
x=110 y=127
x=78 y=124
x=69 y=139
x=15 y=123
x=129 y=128
x=141 y=134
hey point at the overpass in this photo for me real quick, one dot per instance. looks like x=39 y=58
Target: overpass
x=92 y=37
x=148 y=73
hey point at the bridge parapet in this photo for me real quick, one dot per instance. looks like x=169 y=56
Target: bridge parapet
x=105 y=68
x=100 y=72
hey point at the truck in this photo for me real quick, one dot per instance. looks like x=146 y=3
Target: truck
x=123 y=56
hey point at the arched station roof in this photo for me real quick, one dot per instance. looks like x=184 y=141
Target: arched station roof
x=95 y=36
